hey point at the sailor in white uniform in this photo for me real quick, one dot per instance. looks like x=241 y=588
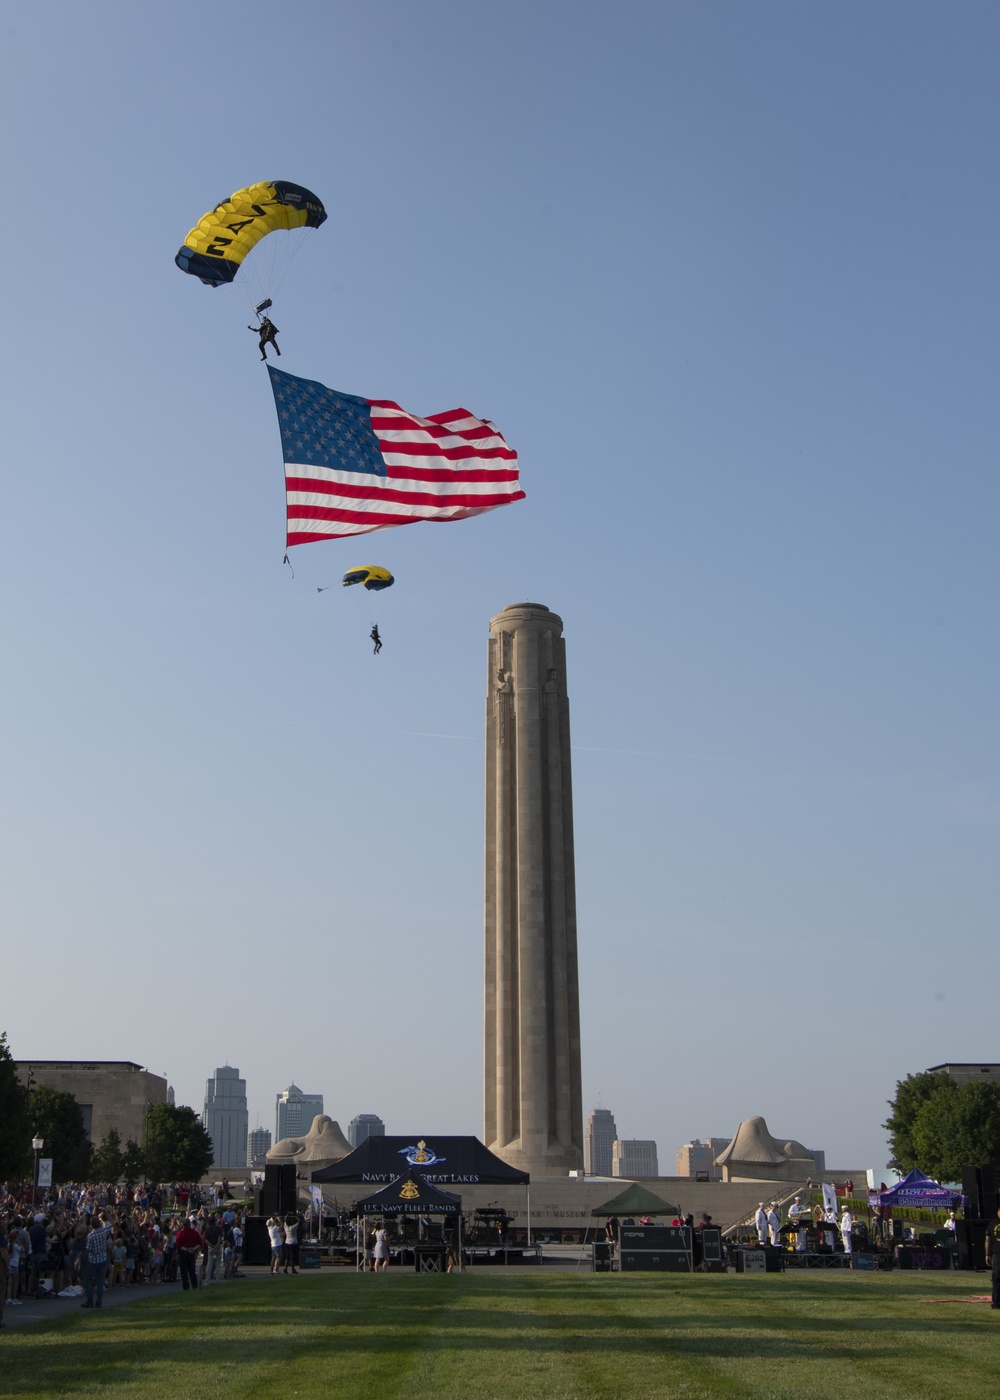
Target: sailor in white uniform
x=760 y=1220
x=774 y=1225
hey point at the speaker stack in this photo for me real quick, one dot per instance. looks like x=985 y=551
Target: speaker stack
x=278 y=1194
x=979 y=1184
x=979 y=1187
x=256 y=1241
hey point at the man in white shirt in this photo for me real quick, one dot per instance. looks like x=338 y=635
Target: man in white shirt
x=760 y=1223
x=774 y=1225
x=846 y=1226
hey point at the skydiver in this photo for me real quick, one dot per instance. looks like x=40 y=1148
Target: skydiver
x=376 y=639
x=267 y=331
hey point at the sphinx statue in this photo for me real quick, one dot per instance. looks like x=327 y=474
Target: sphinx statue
x=322 y=1145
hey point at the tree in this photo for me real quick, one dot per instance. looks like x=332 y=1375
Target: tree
x=178 y=1145
x=15 y=1125
x=940 y=1127
x=57 y=1118
x=912 y=1093
x=133 y=1163
x=109 y=1158
x=960 y=1130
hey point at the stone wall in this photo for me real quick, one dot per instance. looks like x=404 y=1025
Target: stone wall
x=112 y=1093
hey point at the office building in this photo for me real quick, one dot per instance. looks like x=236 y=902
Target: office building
x=260 y=1146
x=697 y=1159
x=365 y=1125
x=632 y=1157
x=294 y=1112
x=226 y=1117
x=599 y=1142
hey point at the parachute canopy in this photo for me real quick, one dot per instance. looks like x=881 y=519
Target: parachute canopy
x=372 y=576
x=215 y=248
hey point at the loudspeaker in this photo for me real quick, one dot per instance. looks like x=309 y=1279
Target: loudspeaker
x=979 y=1185
x=971 y=1236
x=897 y=1231
x=278 y=1194
x=256 y=1240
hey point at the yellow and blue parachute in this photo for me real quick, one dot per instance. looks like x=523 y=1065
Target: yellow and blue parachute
x=215 y=248
x=373 y=576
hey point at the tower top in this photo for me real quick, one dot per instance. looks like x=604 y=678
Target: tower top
x=526 y=612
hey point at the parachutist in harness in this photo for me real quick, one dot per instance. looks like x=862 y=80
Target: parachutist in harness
x=267 y=331
x=376 y=639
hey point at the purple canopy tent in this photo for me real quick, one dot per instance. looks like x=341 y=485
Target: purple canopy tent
x=920 y=1191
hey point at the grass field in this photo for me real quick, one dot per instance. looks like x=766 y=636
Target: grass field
x=518 y=1336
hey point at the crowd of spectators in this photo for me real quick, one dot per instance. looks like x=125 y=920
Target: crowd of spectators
x=91 y=1237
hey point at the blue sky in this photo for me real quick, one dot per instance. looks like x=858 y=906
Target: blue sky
x=726 y=276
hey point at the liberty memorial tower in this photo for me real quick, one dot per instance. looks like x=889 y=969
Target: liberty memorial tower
x=533 y=1097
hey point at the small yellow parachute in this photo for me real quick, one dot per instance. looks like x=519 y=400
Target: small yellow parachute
x=215 y=248
x=372 y=576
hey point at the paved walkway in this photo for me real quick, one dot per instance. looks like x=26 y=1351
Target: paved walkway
x=41 y=1309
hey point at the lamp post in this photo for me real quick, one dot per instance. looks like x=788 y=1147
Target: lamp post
x=37 y=1145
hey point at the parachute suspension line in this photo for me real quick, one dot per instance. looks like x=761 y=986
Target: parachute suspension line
x=287 y=561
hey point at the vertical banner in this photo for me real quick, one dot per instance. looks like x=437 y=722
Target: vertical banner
x=316 y=1192
x=45 y=1171
x=829 y=1197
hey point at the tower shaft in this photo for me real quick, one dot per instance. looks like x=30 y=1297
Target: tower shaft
x=533 y=1098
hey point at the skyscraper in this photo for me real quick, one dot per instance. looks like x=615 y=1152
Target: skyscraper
x=533 y=1099
x=634 y=1157
x=601 y=1134
x=365 y=1125
x=226 y=1117
x=295 y=1111
x=260 y=1146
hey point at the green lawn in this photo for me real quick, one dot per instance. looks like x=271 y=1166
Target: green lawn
x=517 y=1336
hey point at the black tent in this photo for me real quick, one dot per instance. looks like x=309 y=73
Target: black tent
x=411 y=1194
x=442 y=1161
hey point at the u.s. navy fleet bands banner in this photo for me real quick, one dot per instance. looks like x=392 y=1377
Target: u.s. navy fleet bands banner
x=443 y=1161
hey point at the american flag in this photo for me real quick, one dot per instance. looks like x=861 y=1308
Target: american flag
x=355 y=465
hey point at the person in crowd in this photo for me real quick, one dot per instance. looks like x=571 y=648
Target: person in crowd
x=993 y=1257
x=234 y=1247
x=4 y=1269
x=169 y=1270
x=97 y=1261
x=39 y=1242
x=275 y=1235
x=188 y=1245
x=211 y=1259
x=292 y=1243
x=381 y=1249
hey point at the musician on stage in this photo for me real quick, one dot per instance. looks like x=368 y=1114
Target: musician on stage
x=760 y=1221
x=797 y=1215
x=774 y=1225
x=846 y=1226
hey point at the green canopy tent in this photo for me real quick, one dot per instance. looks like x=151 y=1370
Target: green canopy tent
x=636 y=1200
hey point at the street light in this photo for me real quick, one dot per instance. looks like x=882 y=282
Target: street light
x=37 y=1145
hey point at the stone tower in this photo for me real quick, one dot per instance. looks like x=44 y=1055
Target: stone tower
x=533 y=1097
